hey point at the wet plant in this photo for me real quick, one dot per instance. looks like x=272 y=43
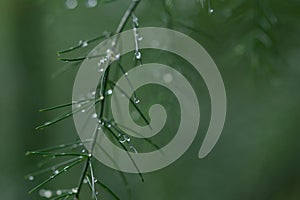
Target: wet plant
x=69 y=156
x=75 y=154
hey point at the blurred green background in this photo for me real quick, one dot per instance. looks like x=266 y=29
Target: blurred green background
x=256 y=46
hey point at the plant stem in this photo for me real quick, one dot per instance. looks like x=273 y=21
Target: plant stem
x=120 y=27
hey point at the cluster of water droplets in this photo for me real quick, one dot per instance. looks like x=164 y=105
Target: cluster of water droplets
x=137 y=37
x=91 y=182
x=48 y=194
x=81 y=104
x=83 y=43
x=109 y=57
x=124 y=138
x=84 y=103
x=72 y=4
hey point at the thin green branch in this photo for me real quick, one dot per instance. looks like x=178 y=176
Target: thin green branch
x=54 y=154
x=55 y=175
x=121 y=26
x=84 y=43
x=80 y=58
x=131 y=101
x=101 y=184
x=125 y=149
x=50 y=169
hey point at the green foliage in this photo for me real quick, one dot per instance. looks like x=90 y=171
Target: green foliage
x=251 y=31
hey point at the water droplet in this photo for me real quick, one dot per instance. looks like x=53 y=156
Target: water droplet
x=124 y=138
x=83 y=151
x=31 y=178
x=74 y=190
x=102 y=61
x=109 y=125
x=58 y=192
x=83 y=110
x=91 y=3
x=100 y=122
x=100 y=69
x=109 y=92
x=95 y=180
x=109 y=52
x=135 y=21
x=85 y=181
x=136 y=100
x=71 y=4
x=48 y=194
x=94 y=116
x=126 y=74
x=211 y=11
x=56 y=172
x=78 y=105
x=101 y=98
x=42 y=192
x=139 y=38
x=117 y=56
x=90 y=155
x=84 y=44
x=138 y=55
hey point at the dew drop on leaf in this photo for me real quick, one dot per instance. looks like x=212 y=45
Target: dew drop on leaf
x=139 y=38
x=71 y=4
x=58 y=192
x=78 y=105
x=100 y=69
x=91 y=3
x=138 y=55
x=136 y=100
x=74 y=190
x=84 y=44
x=48 y=194
x=109 y=92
